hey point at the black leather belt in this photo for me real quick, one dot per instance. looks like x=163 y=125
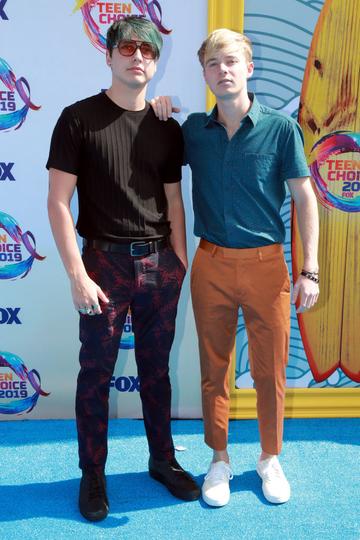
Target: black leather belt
x=135 y=249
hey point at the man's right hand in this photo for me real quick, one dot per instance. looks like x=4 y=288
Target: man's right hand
x=86 y=295
x=163 y=107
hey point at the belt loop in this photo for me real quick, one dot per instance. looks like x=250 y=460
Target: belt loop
x=214 y=250
x=260 y=254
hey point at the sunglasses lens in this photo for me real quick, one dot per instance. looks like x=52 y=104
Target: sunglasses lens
x=147 y=50
x=127 y=48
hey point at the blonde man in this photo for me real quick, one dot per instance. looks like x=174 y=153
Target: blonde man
x=241 y=156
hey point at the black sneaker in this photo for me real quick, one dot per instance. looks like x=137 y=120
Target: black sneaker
x=93 y=501
x=173 y=476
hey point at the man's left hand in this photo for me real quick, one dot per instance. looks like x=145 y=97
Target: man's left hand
x=306 y=291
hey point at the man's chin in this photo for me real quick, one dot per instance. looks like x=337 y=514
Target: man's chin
x=225 y=94
x=136 y=85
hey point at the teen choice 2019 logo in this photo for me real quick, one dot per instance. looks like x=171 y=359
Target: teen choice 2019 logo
x=17 y=249
x=19 y=388
x=98 y=16
x=335 y=166
x=15 y=99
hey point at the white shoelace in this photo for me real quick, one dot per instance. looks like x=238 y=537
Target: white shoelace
x=273 y=470
x=219 y=473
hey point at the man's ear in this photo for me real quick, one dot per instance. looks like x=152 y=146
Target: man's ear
x=108 y=58
x=250 y=69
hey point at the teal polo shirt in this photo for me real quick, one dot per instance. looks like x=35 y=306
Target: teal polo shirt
x=239 y=184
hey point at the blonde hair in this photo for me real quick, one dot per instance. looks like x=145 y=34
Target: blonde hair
x=221 y=38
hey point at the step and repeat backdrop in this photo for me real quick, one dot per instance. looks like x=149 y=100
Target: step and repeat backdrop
x=52 y=54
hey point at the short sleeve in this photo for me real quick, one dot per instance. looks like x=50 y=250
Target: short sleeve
x=171 y=172
x=65 y=144
x=293 y=162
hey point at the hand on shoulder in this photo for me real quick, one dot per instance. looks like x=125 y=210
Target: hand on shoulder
x=163 y=107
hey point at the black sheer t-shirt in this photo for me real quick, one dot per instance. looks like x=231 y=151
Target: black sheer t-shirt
x=122 y=159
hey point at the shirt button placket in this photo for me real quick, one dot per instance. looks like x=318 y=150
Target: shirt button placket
x=227 y=174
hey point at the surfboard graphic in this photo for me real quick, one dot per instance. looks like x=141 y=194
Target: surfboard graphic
x=329 y=115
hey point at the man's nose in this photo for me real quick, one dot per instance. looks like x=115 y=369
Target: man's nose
x=223 y=68
x=137 y=56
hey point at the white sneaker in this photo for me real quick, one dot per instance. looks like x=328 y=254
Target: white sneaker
x=215 y=490
x=276 y=488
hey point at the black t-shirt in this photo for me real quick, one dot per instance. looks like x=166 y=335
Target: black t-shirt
x=122 y=160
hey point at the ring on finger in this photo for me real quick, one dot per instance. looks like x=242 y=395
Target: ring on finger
x=85 y=310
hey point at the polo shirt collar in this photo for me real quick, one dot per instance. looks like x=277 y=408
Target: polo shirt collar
x=253 y=114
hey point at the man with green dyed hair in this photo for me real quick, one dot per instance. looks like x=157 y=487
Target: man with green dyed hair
x=126 y=166
x=124 y=29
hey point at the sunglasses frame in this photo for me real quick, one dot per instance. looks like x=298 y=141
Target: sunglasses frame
x=138 y=44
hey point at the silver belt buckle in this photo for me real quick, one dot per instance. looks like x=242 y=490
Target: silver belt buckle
x=133 y=247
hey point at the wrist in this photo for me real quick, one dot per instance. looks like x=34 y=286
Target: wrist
x=313 y=276
x=77 y=274
x=311 y=269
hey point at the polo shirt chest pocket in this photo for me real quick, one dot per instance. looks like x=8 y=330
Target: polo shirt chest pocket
x=260 y=167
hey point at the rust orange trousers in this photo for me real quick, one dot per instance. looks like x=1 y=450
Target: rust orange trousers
x=257 y=280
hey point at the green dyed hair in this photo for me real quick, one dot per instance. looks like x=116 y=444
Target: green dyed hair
x=124 y=29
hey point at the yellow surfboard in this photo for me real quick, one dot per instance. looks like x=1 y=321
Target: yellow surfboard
x=329 y=115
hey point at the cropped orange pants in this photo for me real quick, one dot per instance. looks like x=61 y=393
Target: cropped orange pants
x=257 y=280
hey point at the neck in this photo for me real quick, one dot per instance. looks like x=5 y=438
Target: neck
x=131 y=99
x=232 y=111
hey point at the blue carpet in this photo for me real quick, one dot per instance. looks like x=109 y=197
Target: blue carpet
x=39 y=484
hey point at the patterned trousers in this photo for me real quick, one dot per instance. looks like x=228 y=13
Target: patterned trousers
x=151 y=287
